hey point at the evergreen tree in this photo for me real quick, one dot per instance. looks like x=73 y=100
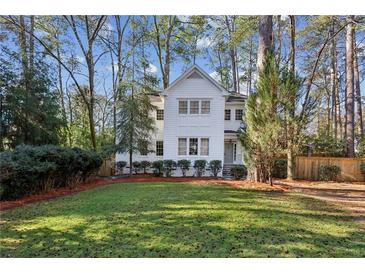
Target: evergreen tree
x=135 y=124
x=261 y=135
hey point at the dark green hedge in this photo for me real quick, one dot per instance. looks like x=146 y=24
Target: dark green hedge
x=33 y=169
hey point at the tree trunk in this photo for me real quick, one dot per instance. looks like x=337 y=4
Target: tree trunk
x=279 y=38
x=291 y=111
x=265 y=42
x=25 y=69
x=333 y=80
x=350 y=87
x=358 y=95
x=232 y=52
x=249 y=84
x=31 y=46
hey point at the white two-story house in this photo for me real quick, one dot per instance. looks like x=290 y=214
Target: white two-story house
x=196 y=118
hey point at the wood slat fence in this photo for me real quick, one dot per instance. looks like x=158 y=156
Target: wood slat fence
x=107 y=168
x=308 y=167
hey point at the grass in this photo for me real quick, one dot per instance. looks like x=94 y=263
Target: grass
x=179 y=220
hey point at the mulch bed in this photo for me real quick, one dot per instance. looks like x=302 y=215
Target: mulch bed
x=100 y=181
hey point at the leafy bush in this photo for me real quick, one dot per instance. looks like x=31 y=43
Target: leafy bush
x=199 y=166
x=215 y=166
x=169 y=165
x=238 y=171
x=184 y=165
x=157 y=167
x=323 y=145
x=145 y=165
x=28 y=170
x=279 y=169
x=121 y=165
x=136 y=166
x=329 y=172
x=361 y=147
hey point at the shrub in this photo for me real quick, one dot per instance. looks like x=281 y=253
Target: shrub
x=157 y=167
x=361 y=147
x=238 y=171
x=28 y=170
x=329 y=172
x=169 y=165
x=121 y=165
x=145 y=165
x=215 y=166
x=279 y=169
x=199 y=166
x=136 y=166
x=323 y=145
x=184 y=165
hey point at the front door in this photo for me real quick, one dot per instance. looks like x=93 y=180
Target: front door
x=228 y=153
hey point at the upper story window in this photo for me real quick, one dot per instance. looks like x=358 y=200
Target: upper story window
x=159 y=114
x=183 y=107
x=159 y=148
x=239 y=114
x=205 y=107
x=227 y=114
x=194 y=107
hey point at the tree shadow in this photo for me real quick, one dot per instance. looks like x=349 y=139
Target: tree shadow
x=181 y=221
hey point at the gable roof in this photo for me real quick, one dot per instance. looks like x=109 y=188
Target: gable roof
x=193 y=71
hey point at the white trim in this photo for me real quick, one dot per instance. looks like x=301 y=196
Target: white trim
x=188 y=72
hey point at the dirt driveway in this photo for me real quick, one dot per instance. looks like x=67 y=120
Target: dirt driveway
x=350 y=196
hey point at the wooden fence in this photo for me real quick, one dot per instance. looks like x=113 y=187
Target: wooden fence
x=308 y=167
x=107 y=168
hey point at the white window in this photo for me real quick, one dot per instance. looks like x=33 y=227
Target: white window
x=193 y=146
x=182 y=146
x=205 y=107
x=194 y=107
x=159 y=114
x=159 y=148
x=227 y=114
x=239 y=114
x=183 y=107
x=204 y=146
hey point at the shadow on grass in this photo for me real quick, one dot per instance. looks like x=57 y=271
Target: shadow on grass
x=180 y=220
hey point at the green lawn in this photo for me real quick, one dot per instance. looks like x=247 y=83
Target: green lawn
x=179 y=220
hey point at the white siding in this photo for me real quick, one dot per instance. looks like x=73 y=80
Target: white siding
x=177 y=125
x=194 y=125
x=233 y=124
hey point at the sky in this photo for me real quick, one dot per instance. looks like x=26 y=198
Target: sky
x=103 y=67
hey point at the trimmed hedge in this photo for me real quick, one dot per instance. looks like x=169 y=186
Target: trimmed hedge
x=136 y=166
x=33 y=169
x=238 y=171
x=169 y=166
x=121 y=165
x=145 y=165
x=184 y=165
x=157 y=167
x=215 y=167
x=200 y=166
